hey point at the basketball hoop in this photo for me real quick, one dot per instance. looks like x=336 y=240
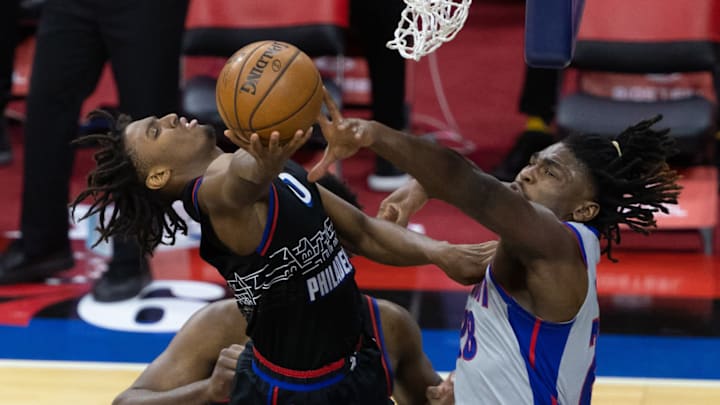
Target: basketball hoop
x=426 y=24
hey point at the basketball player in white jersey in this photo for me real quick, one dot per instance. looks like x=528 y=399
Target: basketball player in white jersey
x=531 y=320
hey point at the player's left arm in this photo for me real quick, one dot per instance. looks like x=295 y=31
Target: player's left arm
x=388 y=243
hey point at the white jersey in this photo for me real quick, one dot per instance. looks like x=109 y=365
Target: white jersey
x=509 y=356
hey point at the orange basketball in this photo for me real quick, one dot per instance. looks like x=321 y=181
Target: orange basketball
x=269 y=86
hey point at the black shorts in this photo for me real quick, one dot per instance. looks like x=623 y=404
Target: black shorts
x=361 y=378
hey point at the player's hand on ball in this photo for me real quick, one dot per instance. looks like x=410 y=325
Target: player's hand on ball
x=272 y=158
x=344 y=137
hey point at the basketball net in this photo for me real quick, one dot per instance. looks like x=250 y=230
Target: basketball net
x=426 y=24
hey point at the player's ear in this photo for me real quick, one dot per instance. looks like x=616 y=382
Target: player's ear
x=586 y=211
x=158 y=177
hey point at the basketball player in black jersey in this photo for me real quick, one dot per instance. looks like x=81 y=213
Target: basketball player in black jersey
x=275 y=238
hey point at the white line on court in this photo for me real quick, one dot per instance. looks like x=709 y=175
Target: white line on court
x=82 y=365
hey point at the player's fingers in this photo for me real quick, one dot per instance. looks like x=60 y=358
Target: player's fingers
x=402 y=218
x=255 y=144
x=298 y=140
x=274 y=142
x=226 y=362
x=232 y=351
x=388 y=212
x=332 y=107
x=322 y=119
x=321 y=168
x=235 y=349
x=433 y=393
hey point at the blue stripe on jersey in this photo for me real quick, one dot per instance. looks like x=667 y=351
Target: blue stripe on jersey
x=195 y=189
x=270 y=394
x=593 y=230
x=586 y=393
x=381 y=342
x=580 y=240
x=269 y=220
x=540 y=341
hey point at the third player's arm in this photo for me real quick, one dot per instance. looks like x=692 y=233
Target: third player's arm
x=183 y=373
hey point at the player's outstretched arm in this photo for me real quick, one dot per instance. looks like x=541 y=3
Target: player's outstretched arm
x=448 y=176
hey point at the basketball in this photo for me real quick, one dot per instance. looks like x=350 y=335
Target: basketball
x=269 y=86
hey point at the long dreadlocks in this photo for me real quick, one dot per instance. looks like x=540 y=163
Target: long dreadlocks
x=114 y=185
x=631 y=177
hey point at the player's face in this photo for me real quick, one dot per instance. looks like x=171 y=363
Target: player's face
x=556 y=179
x=168 y=140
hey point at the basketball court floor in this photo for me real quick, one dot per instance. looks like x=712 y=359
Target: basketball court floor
x=660 y=304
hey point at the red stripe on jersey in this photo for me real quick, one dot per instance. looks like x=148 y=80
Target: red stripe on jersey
x=378 y=339
x=533 y=342
x=270 y=235
x=324 y=370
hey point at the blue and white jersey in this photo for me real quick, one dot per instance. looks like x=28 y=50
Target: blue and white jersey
x=509 y=356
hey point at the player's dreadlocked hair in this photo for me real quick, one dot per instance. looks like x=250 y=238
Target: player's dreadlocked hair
x=631 y=177
x=114 y=185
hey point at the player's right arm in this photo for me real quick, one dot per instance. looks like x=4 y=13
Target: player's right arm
x=449 y=176
x=198 y=366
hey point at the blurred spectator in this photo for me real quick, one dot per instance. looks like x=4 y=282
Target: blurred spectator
x=141 y=39
x=8 y=31
x=372 y=25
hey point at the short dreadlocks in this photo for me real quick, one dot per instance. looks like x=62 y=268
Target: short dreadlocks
x=631 y=178
x=114 y=184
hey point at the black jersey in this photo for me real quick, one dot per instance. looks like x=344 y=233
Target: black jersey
x=297 y=290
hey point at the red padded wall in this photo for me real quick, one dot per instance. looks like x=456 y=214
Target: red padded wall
x=651 y=20
x=266 y=13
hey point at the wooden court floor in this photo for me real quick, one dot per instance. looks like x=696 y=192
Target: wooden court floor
x=42 y=382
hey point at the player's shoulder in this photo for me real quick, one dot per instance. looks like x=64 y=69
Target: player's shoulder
x=217 y=314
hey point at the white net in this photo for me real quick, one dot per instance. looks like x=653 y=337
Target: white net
x=426 y=24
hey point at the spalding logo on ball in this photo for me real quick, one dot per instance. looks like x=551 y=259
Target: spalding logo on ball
x=269 y=86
